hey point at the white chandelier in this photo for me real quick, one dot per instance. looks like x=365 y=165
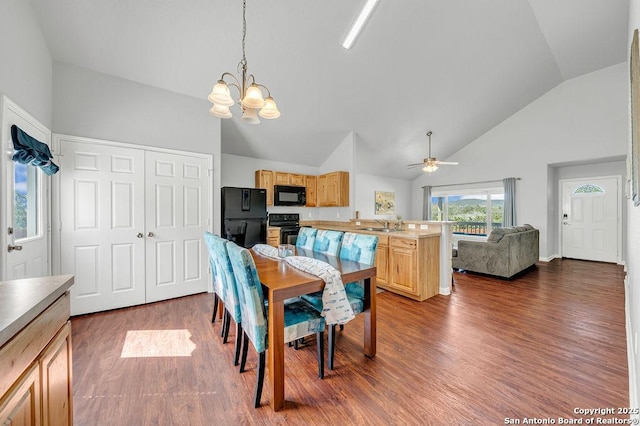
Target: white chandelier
x=251 y=98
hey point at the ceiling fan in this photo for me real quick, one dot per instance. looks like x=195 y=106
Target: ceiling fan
x=430 y=164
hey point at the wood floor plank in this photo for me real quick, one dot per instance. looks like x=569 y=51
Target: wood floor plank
x=539 y=346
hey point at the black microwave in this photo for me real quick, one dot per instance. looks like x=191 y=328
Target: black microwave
x=284 y=195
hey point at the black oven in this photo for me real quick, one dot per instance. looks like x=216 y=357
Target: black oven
x=289 y=195
x=289 y=224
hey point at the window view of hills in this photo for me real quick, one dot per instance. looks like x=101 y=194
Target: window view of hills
x=470 y=211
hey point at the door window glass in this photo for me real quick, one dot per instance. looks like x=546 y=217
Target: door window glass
x=26 y=199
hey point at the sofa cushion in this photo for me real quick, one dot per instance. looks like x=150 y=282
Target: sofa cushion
x=497 y=234
x=520 y=228
x=529 y=227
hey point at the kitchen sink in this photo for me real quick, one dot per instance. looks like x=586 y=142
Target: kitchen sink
x=377 y=229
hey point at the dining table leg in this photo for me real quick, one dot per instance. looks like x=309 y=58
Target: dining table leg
x=275 y=351
x=370 y=317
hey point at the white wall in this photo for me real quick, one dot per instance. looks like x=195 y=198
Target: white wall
x=26 y=70
x=367 y=185
x=633 y=255
x=100 y=106
x=580 y=120
x=341 y=159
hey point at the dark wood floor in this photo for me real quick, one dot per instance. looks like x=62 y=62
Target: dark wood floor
x=538 y=346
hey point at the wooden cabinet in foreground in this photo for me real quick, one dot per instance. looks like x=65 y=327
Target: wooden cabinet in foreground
x=35 y=383
x=412 y=266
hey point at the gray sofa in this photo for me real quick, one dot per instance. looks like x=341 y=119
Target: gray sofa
x=506 y=252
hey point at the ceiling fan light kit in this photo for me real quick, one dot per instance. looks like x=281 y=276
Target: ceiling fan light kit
x=251 y=98
x=430 y=164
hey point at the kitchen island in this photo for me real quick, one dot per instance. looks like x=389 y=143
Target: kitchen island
x=35 y=351
x=407 y=261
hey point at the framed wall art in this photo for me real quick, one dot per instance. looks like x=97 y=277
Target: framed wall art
x=385 y=203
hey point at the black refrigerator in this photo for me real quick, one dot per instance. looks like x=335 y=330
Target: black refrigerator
x=244 y=215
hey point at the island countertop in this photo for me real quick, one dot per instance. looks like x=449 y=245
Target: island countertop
x=23 y=300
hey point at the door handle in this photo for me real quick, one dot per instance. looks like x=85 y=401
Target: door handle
x=150 y=234
x=11 y=248
x=140 y=235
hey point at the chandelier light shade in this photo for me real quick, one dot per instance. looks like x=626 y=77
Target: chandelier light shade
x=251 y=99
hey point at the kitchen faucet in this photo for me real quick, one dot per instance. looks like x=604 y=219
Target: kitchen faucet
x=383 y=223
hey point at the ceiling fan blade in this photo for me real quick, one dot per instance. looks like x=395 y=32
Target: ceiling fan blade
x=410 y=166
x=448 y=163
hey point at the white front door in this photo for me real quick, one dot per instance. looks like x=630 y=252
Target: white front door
x=25 y=188
x=102 y=225
x=177 y=199
x=590 y=219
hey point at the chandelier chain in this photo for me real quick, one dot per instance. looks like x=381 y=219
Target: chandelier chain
x=244 y=33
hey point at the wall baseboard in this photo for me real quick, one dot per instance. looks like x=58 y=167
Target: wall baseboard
x=549 y=258
x=445 y=291
x=631 y=355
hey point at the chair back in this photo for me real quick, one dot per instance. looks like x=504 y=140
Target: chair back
x=359 y=248
x=215 y=274
x=306 y=238
x=254 y=317
x=328 y=242
x=229 y=287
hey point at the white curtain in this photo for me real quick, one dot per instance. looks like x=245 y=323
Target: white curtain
x=509 y=214
x=426 y=203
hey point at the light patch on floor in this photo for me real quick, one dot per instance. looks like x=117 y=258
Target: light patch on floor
x=157 y=343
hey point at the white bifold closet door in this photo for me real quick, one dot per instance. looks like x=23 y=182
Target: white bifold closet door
x=132 y=223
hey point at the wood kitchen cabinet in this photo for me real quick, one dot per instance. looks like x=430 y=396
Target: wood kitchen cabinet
x=273 y=236
x=311 y=184
x=297 y=180
x=264 y=179
x=409 y=266
x=293 y=179
x=333 y=189
x=35 y=362
x=382 y=259
x=280 y=178
x=22 y=405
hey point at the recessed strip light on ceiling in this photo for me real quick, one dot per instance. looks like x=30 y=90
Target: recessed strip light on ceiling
x=359 y=23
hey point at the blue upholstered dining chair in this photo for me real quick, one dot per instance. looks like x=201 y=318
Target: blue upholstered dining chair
x=300 y=319
x=355 y=247
x=215 y=276
x=306 y=238
x=328 y=242
x=229 y=293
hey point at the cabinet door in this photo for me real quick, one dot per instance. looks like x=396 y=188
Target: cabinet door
x=311 y=183
x=264 y=180
x=403 y=272
x=55 y=370
x=382 y=259
x=296 y=180
x=22 y=405
x=322 y=191
x=280 y=178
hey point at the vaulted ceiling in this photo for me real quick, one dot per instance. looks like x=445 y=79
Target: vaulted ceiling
x=456 y=67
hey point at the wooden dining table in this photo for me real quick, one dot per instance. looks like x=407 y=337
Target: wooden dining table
x=282 y=281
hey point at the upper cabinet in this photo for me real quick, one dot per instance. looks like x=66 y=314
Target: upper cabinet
x=329 y=190
x=333 y=189
x=311 y=183
x=264 y=179
x=293 y=179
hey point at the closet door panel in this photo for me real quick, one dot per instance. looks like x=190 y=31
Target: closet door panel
x=177 y=199
x=102 y=225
